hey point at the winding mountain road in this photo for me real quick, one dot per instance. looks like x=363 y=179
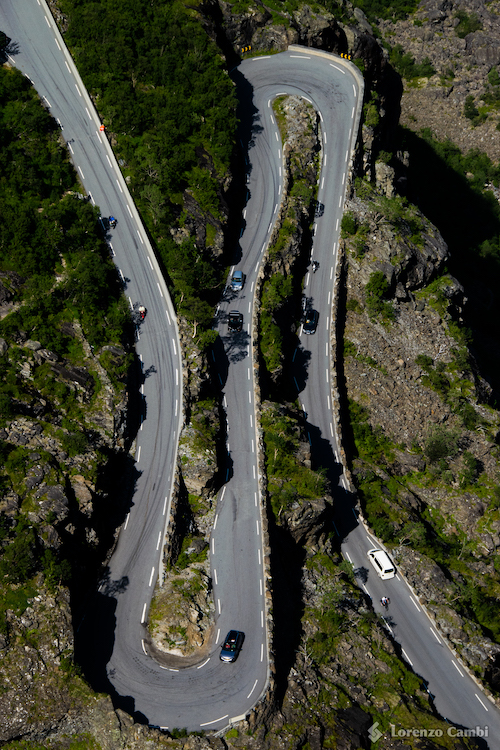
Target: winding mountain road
x=210 y=694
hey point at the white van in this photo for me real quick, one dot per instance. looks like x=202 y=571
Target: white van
x=382 y=563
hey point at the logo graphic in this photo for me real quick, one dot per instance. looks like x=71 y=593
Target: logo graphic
x=374 y=733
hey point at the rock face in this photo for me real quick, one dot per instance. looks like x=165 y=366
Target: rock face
x=412 y=380
x=462 y=66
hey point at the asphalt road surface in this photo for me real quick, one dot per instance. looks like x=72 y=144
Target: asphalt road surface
x=210 y=695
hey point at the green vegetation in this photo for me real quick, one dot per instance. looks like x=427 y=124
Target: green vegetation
x=289 y=481
x=467 y=24
x=406 y=66
x=472 y=113
x=83 y=741
x=276 y=291
x=160 y=85
x=376 y=290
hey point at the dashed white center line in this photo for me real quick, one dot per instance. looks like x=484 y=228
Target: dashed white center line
x=88 y=113
x=261 y=618
x=143 y=618
x=331 y=273
x=144 y=647
x=128 y=209
x=70 y=148
x=213 y=546
x=139 y=454
x=119 y=187
x=215 y=576
x=159 y=289
x=327 y=375
x=47 y=21
x=175 y=348
x=79 y=92
x=331 y=429
x=407 y=657
x=159 y=542
x=257 y=524
x=151 y=576
x=261 y=651
x=249 y=397
x=415 y=604
x=218 y=606
x=126 y=521
x=83 y=177
x=165 y=505
x=55 y=40
x=202 y=665
x=149 y=261
x=109 y=161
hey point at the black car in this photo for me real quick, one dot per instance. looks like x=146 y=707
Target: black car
x=232 y=645
x=310 y=321
x=235 y=321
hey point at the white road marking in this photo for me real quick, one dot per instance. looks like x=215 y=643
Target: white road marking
x=346 y=155
x=176 y=405
x=261 y=651
x=276 y=134
x=98 y=137
x=143 y=618
x=433 y=631
x=79 y=92
x=249 y=397
x=272 y=118
x=257 y=266
x=159 y=289
x=253 y=446
x=257 y=524
x=139 y=454
x=343 y=178
x=251 y=420
x=327 y=322
x=331 y=429
x=305 y=97
x=249 y=306
x=215 y=576
x=322 y=182
x=126 y=521
x=260 y=586
x=302 y=57
x=205 y=662
x=251 y=691
x=225 y=717
x=261 y=618
x=83 y=176
x=279 y=151
x=327 y=374
x=144 y=647
x=307 y=278
x=109 y=161
x=175 y=348
x=258 y=551
x=159 y=542
x=253 y=467
x=354 y=90
x=324 y=137
x=218 y=636
x=149 y=261
x=329 y=295
x=119 y=187
x=407 y=657
x=325 y=160
x=328 y=399
x=218 y=606
x=352 y=114
x=279 y=190
x=456 y=667
x=168 y=316
x=151 y=576
x=340 y=201
x=223 y=493
x=415 y=604
x=55 y=40
x=337 y=68
x=128 y=209
x=176 y=376
x=326 y=348
x=480 y=701
x=337 y=225
x=331 y=273
x=47 y=20
x=50 y=105
x=165 y=505
x=90 y=116
x=255 y=495
x=213 y=546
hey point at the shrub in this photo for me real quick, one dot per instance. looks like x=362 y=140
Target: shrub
x=440 y=443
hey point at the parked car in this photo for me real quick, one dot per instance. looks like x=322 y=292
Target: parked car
x=237 y=281
x=382 y=563
x=235 y=321
x=310 y=324
x=232 y=645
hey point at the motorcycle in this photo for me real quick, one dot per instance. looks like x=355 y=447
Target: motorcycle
x=142 y=312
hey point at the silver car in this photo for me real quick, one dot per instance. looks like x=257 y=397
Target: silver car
x=237 y=281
